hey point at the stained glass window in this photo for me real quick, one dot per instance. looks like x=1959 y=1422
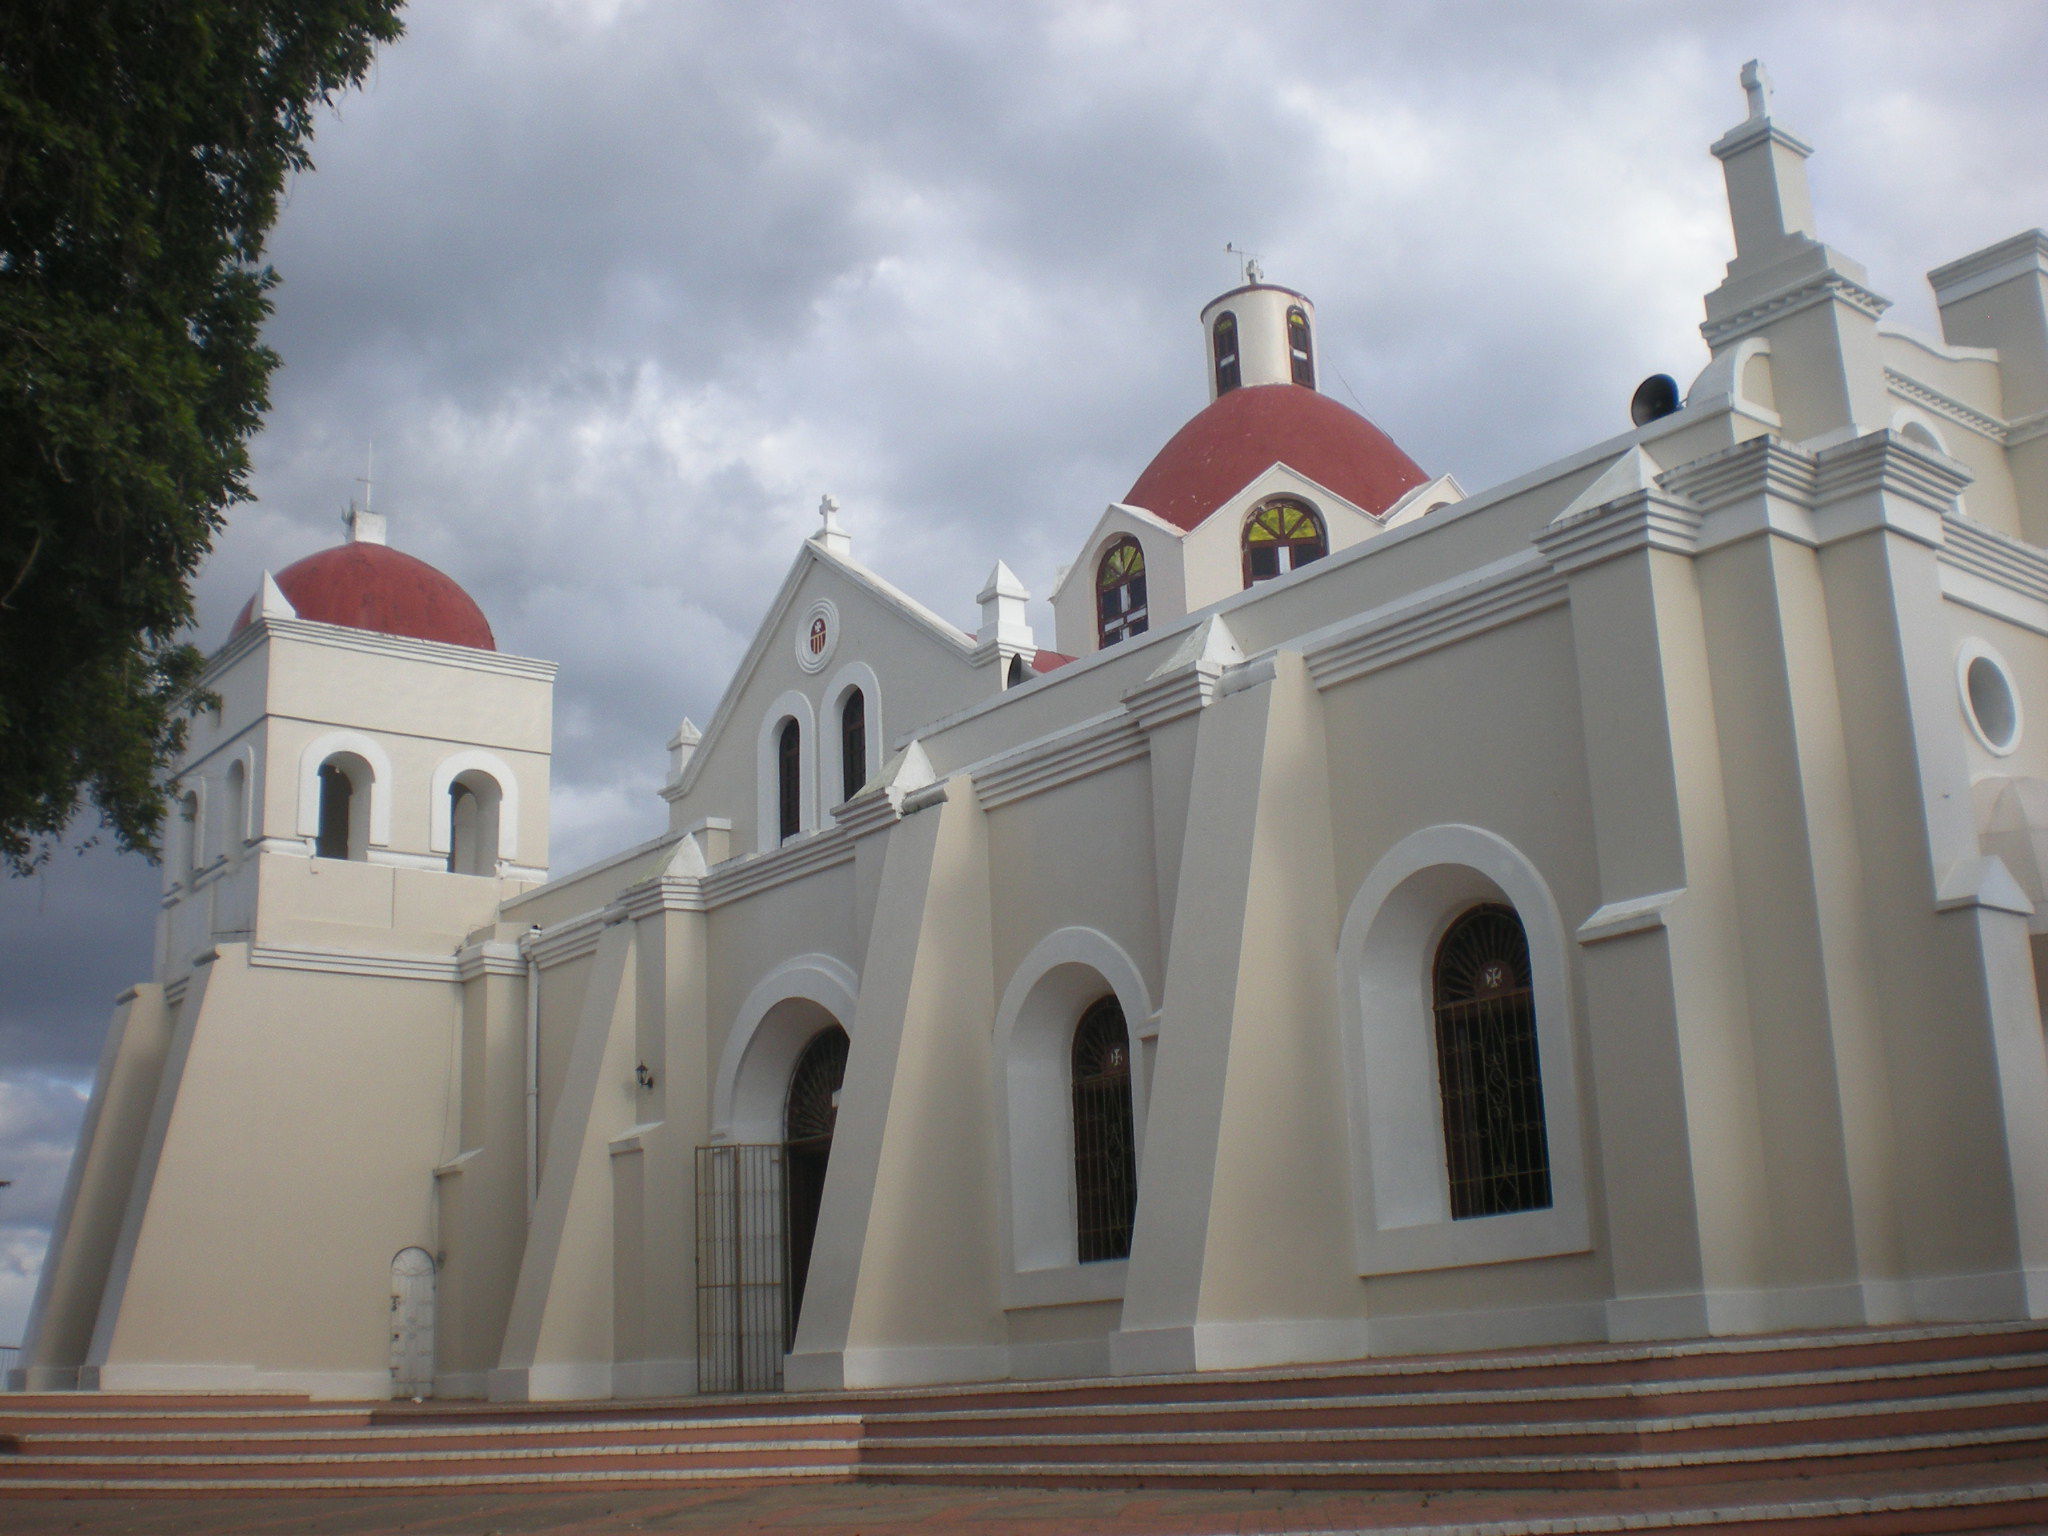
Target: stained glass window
x=1495 y=1144
x=1283 y=535
x=1299 y=351
x=1120 y=610
x=1224 y=336
x=1105 y=1147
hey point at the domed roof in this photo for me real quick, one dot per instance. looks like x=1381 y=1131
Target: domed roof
x=373 y=586
x=1244 y=432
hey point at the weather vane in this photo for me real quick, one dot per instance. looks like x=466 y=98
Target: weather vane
x=1253 y=273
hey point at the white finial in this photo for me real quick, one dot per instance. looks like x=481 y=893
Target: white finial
x=369 y=469
x=830 y=534
x=1254 y=274
x=1756 y=85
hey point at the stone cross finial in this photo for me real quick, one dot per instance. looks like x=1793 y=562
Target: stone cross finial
x=1756 y=84
x=830 y=534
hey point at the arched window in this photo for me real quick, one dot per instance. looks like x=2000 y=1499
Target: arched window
x=1223 y=334
x=345 y=781
x=1495 y=1145
x=1105 y=1151
x=1299 y=351
x=789 y=779
x=1120 y=610
x=474 y=802
x=1282 y=536
x=853 y=743
x=809 y=1116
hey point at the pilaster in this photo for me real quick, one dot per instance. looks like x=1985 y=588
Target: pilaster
x=1666 y=1005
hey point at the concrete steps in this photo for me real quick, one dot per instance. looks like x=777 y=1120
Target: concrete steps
x=1815 y=1416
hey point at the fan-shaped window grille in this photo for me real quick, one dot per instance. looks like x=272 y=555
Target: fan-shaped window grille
x=1282 y=536
x=1495 y=1144
x=1105 y=1151
x=808 y=1118
x=1120 y=610
x=1223 y=336
x=789 y=779
x=853 y=743
x=1299 y=350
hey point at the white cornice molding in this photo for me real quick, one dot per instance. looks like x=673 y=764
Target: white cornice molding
x=570 y=939
x=1619 y=919
x=1753 y=130
x=1092 y=746
x=493 y=957
x=1828 y=286
x=1888 y=479
x=1757 y=466
x=1759 y=485
x=1188 y=679
x=1640 y=520
x=349 y=962
x=341 y=637
x=2007 y=563
x=1435 y=617
x=2025 y=254
x=824 y=849
x=1983 y=423
x=2024 y=429
x=663 y=893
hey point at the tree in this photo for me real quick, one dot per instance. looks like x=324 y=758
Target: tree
x=144 y=147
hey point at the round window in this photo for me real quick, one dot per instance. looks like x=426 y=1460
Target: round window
x=1990 y=701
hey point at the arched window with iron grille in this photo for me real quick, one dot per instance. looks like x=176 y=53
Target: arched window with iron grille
x=853 y=743
x=1300 y=351
x=1495 y=1144
x=1105 y=1148
x=1282 y=536
x=1223 y=336
x=1120 y=610
x=789 y=801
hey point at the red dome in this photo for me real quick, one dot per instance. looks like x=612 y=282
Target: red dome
x=1241 y=434
x=373 y=586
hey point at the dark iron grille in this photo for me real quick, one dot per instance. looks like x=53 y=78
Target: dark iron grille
x=741 y=1289
x=1494 y=1138
x=1105 y=1153
x=809 y=1117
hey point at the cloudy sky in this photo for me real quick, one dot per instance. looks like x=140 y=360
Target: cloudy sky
x=618 y=289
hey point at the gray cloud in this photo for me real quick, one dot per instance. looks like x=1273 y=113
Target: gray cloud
x=619 y=288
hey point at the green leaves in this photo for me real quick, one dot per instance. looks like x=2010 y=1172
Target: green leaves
x=144 y=147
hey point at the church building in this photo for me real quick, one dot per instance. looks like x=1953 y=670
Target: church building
x=1382 y=918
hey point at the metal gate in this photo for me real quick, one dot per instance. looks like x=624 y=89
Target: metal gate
x=742 y=1268
x=412 y=1324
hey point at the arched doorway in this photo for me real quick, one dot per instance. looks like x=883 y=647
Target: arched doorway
x=412 y=1323
x=809 y=1115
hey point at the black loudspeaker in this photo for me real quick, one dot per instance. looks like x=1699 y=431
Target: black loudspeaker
x=1655 y=396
